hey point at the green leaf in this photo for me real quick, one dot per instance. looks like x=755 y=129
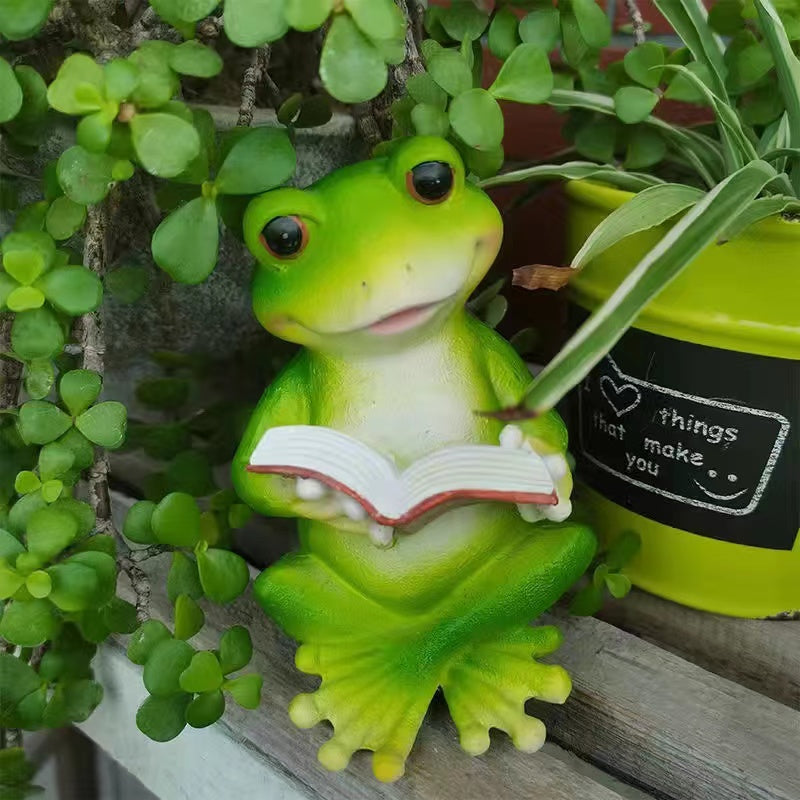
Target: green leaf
x=164 y=144
x=119 y=615
x=587 y=601
x=41 y=422
x=176 y=520
x=29 y=125
x=94 y=130
x=165 y=394
x=787 y=67
x=429 y=120
x=477 y=120
x=245 y=690
x=163 y=668
x=194 y=58
x=261 y=159
x=17 y=680
x=186 y=243
x=450 y=71
x=121 y=77
x=183 y=578
x=21 y=19
x=74 y=585
x=10 y=92
x=128 y=283
x=462 y=20
x=51 y=490
x=64 y=218
x=235 y=649
x=618 y=585
x=10 y=580
x=424 y=89
x=25 y=298
x=190 y=472
x=79 y=388
x=81 y=448
x=634 y=103
x=223 y=575
x=104 y=424
x=28 y=623
x=39 y=378
x=163 y=718
x=593 y=23
x=645 y=148
x=504 y=33
x=55 y=460
x=250 y=23
x=351 y=68
x=647 y=209
x=145 y=639
x=36 y=334
x=542 y=27
x=525 y=77
x=307 y=15
x=85 y=177
x=644 y=62
x=695 y=231
x=137 y=526
x=189 y=619
x=38 y=583
x=79 y=86
x=622 y=550
x=203 y=674
x=21 y=511
x=24 y=266
x=205 y=709
x=73 y=290
x=759 y=209
x=10 y=546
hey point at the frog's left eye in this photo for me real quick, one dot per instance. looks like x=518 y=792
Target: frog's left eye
x=430 y=182
x=284 y=237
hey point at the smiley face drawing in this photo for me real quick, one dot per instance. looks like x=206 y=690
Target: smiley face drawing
x=731 y=480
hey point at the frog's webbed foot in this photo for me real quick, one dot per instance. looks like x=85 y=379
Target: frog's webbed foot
x=372 y=695
x=487 y=685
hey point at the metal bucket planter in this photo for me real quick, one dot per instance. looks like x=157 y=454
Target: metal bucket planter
x=689 y=431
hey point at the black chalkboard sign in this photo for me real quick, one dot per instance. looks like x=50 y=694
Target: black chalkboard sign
x=701 y=439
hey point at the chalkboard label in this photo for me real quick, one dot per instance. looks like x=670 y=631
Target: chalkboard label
x=701 y=439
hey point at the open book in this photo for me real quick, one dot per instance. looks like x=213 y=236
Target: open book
x=392 y=497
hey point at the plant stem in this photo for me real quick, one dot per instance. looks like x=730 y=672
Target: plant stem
x=10 y=369
x=637 y=21
x=253 y=75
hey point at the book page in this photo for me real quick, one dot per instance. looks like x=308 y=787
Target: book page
x=464 y=468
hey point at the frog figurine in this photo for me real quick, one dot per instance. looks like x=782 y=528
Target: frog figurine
x=369 y=270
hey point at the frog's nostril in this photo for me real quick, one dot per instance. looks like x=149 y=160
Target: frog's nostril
x=409 y=268
x=363 y=284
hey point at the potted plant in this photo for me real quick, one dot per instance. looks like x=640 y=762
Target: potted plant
x=685 y=427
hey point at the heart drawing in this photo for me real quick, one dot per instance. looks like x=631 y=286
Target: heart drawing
x=622 y=398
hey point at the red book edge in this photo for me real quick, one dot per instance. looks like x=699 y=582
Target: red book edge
x=497 y=495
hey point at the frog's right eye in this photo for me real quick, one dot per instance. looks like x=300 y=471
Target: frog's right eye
x=284 y=237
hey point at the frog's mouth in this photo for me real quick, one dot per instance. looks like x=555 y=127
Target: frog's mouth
x=405 y=319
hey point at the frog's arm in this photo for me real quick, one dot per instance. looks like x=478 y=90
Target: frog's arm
x=286 y=402
x=510 y=377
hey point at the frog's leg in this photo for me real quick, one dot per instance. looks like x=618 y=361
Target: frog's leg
x=380 y=667
x=375 y=689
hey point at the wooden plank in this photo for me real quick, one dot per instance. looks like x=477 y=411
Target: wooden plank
x=678 y=730
x=763 y=655
x=263 y=751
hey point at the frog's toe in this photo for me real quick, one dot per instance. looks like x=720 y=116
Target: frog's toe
x=488 y=684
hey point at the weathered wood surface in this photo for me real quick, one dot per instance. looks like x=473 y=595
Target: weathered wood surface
x=680 y=731
x=763 y=655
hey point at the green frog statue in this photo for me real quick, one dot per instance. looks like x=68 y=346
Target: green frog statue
x=369 y=270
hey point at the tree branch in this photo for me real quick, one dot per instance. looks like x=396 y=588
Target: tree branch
x=10 y=368
x=637 y=21
x=253 y=75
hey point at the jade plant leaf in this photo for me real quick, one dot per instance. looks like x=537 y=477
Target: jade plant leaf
x=163 y=718
x=634 y=103
x=250 y=23
x=28 y=623
x=165 y=144
x=79 y=388
x=144 y=640
x=203 y=674
x=477 y=119
x=351 y=67
x=223 y=575
x=542 y=27
x=504 y=33
x=245 y=690
x=137 y=526
x=50 y=531
x=261 y=159
x=307 y=15
x=64 y=218
x=525 y=77
x=235 y=649
x=194 y=58
x=20 y=19
x=41 y=422
x=85 y=177
x=73 y=290
x=104 y=424
x=176 y=520
x=450 y=71
x=183 y=578
x=378 y=19
x=164 y=665
x=205 y=709
x=10 y=92
x=36 y=334
x=186 y=243
x=189 y=619
x=78 y=87
x=644 y=62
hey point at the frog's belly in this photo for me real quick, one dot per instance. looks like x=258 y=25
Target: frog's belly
x=408 y=412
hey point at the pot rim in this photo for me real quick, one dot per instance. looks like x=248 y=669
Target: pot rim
x=608 y=198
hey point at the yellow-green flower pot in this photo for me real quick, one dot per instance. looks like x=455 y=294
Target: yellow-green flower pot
x=689 y=432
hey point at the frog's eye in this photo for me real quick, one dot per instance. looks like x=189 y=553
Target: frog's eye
x=284 y=237
x=430 y=182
